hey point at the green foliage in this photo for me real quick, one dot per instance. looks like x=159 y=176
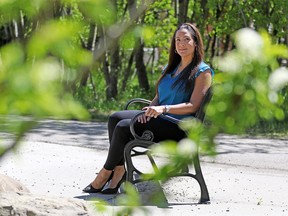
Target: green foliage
x=160 y=17
x=127 y=41
x=59 y=42
x=200 y=139
x=132 y=202
x=33 y=88
x=31 y=72
x=100 y=11
x=131 y=198
x=12 y=9
x=101 y=107
x=178 y=154
x=226 y=16
x=245 y=93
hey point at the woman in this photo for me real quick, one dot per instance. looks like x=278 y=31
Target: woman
x=180 y=91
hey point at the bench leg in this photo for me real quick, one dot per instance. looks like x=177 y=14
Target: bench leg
x=130 y=168
x=204 y=199
x=128 y=162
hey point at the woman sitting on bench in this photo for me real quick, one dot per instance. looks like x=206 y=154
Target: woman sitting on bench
x=180 y=90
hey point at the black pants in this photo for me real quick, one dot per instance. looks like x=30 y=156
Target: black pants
x=120 y=135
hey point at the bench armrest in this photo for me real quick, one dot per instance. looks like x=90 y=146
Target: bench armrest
x=136 y=100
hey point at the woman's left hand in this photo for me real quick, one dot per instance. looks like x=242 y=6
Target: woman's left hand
x=153 y=111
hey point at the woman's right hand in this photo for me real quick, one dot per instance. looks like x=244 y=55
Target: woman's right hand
x=143 y=118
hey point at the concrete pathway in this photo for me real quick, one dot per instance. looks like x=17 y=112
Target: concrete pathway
x=249 y=176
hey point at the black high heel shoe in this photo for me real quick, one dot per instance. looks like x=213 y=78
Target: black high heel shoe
x=91 y=189
x=114 y=190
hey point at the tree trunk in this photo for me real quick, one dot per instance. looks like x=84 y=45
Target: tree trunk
x=21 y=27
x=90 y=46
x=127 y=72
x=110 y=65
x=5 y=36
x=226 y=43
x=205 y=11
x=115 y=68
x=132 y=8
x=139 y=51
x=213 y=46
x=140 y=66
x=105 y=69
x=182 y=11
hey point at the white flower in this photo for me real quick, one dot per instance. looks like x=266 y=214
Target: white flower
x=230 y=63
x=273 y=96
x=278 y=79
x=249 y=42
x=186 y=147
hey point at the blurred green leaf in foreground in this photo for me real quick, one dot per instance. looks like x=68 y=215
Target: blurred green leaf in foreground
x=32 y=76
x=245 y=92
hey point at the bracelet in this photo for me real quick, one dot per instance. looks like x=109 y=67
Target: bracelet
x=166 y=109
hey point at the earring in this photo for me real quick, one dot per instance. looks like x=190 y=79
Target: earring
x=175 y=51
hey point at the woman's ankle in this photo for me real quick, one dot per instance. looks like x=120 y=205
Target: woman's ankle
x=101 y=178
x=104 y=173
x=120 y=169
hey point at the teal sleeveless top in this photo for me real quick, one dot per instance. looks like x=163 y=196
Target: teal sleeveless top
x=169 y=95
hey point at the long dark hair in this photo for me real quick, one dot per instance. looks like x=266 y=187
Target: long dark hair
x=175 y=58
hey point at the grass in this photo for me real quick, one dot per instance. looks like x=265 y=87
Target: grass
x=271 y=129
x=98 y=116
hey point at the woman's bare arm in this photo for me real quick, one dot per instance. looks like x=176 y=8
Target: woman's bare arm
x=202 y=84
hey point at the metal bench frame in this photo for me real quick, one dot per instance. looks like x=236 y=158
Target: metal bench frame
x=146 y=140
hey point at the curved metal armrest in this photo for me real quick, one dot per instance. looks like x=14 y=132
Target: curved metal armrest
x=132 y=123
x=136 y=100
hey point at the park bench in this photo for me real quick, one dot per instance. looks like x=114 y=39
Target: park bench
x=145 y=141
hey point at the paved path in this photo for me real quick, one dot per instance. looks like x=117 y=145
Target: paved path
x=249 y=176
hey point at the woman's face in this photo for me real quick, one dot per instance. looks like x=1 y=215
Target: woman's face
x=184 y=43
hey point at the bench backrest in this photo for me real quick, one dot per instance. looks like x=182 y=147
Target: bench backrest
x=200 y=114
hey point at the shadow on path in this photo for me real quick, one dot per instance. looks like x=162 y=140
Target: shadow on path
x=151 y=194
x=227 y=144
x=75 y=133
